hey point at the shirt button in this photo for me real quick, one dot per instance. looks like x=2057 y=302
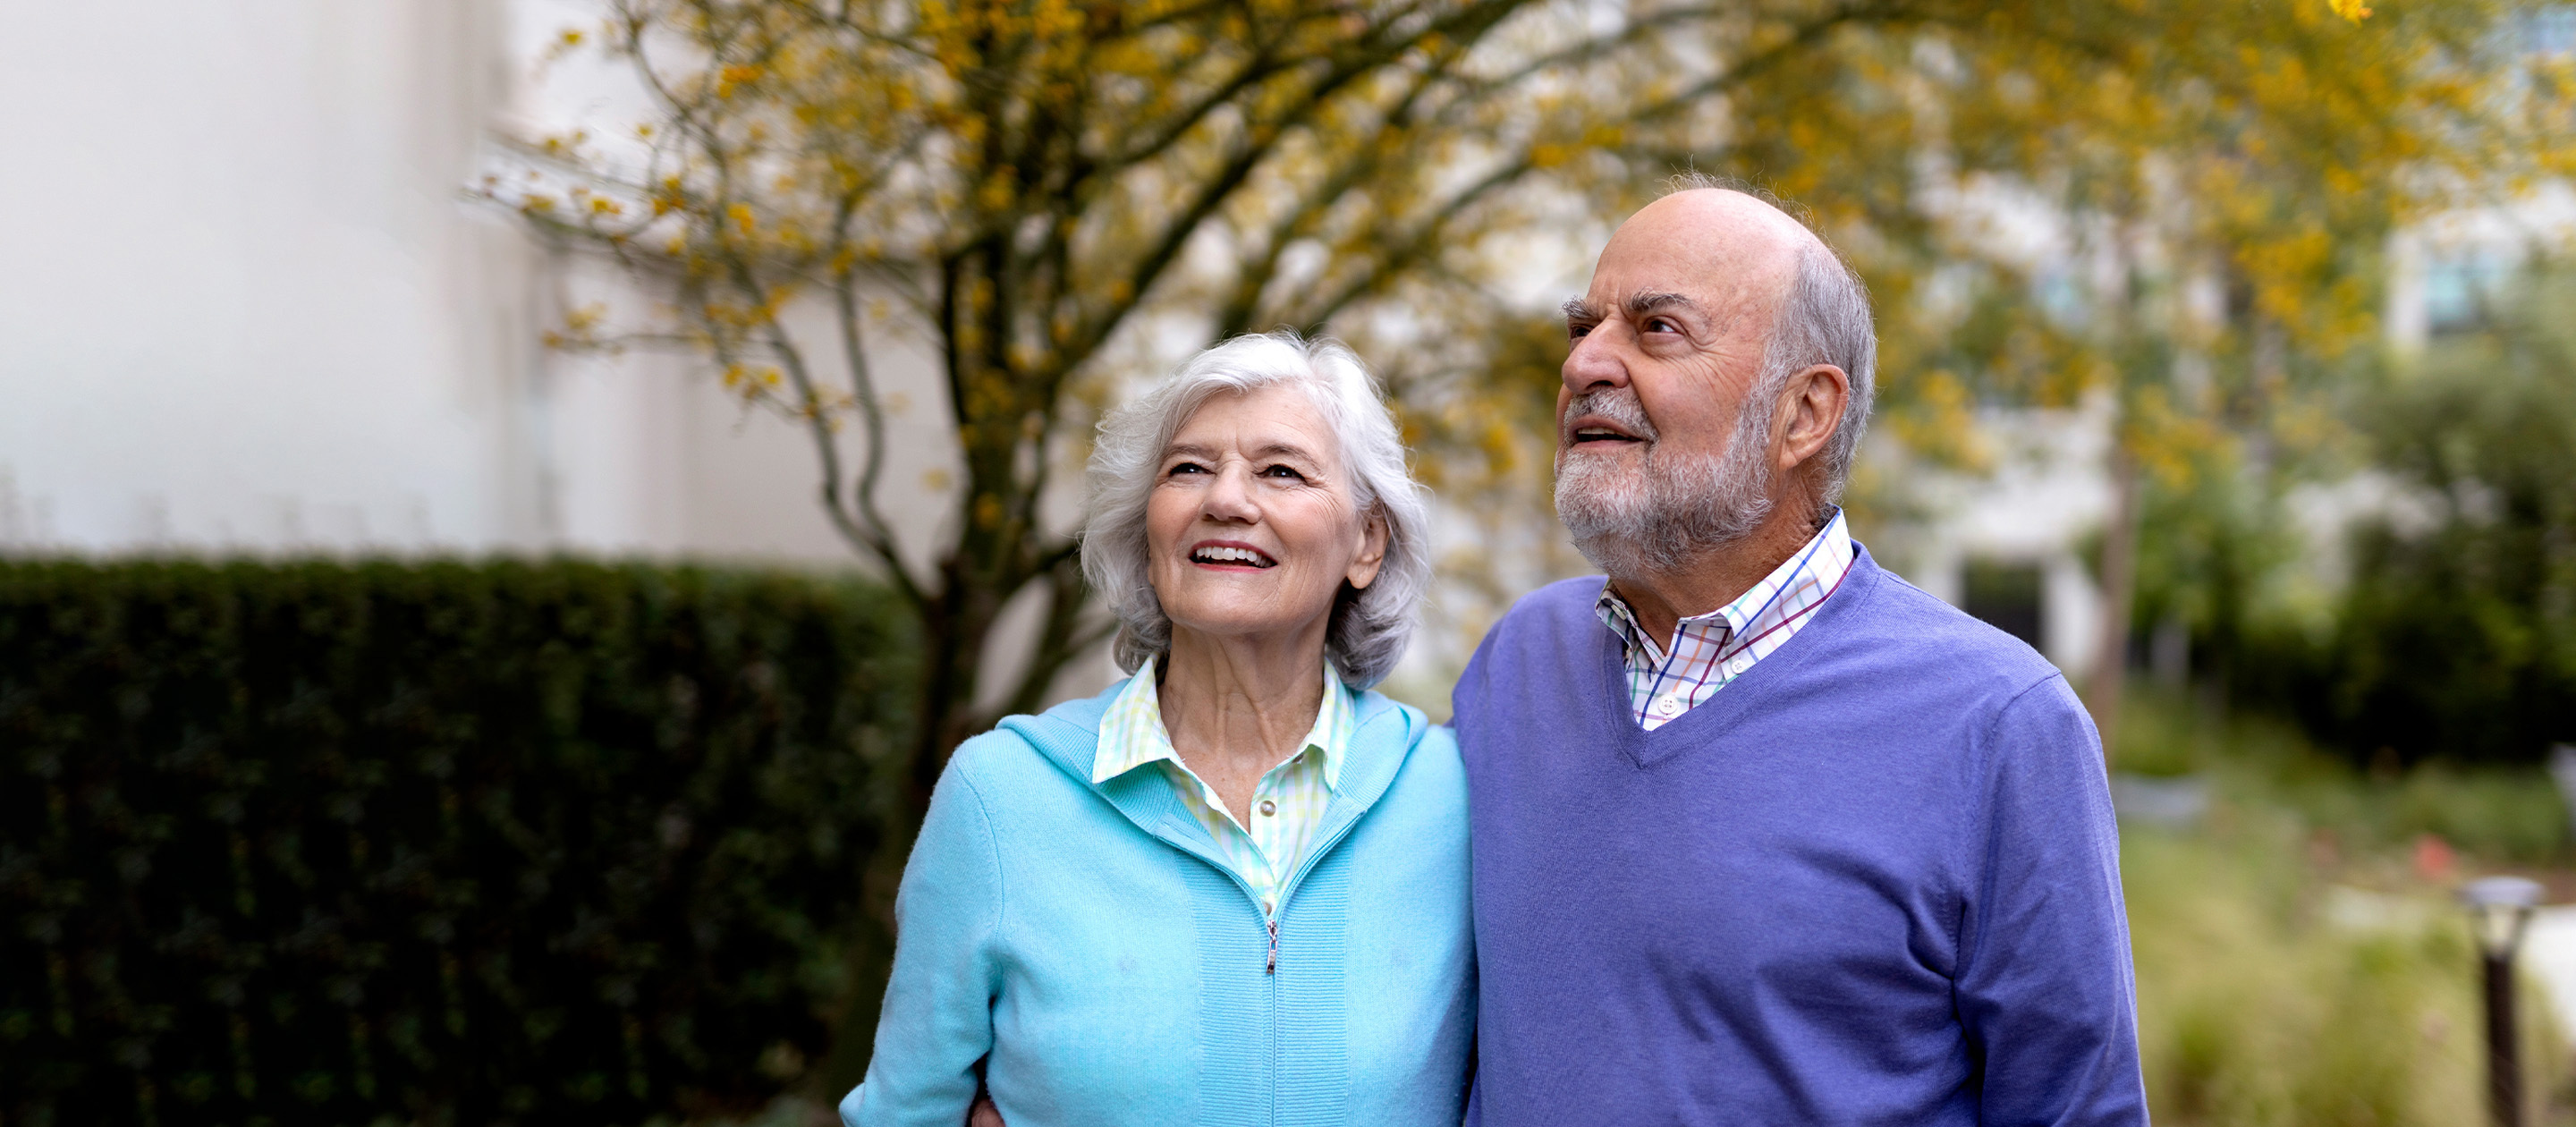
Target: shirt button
x=1268 y=807
x=1740 y=664
x=1667 y=706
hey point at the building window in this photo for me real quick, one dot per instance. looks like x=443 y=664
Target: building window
x=2460 y=288
x=2006 y=595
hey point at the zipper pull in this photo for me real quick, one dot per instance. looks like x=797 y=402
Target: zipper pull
x=1272 y=967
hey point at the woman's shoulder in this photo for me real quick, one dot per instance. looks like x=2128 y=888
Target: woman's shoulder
x=1392 y=728
x=1060 y=741
x=1383 y=717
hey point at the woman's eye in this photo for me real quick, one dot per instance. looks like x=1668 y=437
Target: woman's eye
x=1284 y=473
x=1187 y=467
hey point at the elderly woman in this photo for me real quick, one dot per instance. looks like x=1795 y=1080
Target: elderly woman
x=1233 y=887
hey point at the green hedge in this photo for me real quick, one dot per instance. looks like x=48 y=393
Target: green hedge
x=440 y=843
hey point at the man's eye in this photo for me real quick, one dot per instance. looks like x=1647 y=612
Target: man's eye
x=1578 y=332
x=1660 y=325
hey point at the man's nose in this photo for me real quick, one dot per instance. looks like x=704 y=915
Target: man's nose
x=1596 y=361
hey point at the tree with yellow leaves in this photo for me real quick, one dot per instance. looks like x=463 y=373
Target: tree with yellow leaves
x=1034 y=180
x=2223 y=179
x=2231 y=175
x=1026 y=177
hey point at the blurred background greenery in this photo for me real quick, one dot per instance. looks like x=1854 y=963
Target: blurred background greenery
x=2299 y=957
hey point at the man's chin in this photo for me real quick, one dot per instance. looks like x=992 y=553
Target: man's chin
x=1601 y=479
x=1624 y=540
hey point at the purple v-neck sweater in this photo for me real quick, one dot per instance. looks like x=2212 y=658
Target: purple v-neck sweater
x=1875 y=880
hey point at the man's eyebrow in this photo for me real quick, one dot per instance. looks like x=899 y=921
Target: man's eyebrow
x=1577 y=309
x=1645 y=303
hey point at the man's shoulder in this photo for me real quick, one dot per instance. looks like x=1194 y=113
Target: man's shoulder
x=1535 y=637
x=1894 y=620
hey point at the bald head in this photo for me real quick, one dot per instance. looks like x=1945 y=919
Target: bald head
x=1744 y=250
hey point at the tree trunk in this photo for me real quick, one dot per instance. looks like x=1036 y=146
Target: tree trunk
x=2118 y=570
x=954 y=634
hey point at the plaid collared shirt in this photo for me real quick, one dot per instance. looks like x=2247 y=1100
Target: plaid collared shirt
x=1287 y=805
x=1710 y=650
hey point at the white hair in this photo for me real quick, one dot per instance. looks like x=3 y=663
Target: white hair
x=1369 y=627
x=1824 y=318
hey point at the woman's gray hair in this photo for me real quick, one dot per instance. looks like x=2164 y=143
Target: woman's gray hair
x=1370 y=626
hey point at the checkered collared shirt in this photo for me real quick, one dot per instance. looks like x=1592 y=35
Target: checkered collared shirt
x=1287 y=805
x=1710 y=650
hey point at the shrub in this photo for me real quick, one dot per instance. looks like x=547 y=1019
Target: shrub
x=438 y=843
x=2451 y=634
x=2459 y=640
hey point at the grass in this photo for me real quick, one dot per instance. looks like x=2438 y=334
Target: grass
x=2499 y=815
x=2298 y=959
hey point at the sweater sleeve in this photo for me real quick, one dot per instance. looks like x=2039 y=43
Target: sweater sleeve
x=937 y=1022
x=2045 y=989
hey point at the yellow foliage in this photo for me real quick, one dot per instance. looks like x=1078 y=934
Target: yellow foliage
x=1047 y=187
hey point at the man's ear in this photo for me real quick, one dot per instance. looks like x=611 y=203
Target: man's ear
x=1809 y=412
x=1364 y=567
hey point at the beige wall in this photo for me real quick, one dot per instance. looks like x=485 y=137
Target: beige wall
x=240 y=303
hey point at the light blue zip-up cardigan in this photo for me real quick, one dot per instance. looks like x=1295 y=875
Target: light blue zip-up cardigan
x=1086 y=949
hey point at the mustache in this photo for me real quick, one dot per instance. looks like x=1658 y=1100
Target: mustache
x=1617 y=405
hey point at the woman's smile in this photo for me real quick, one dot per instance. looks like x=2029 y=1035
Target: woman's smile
x=1231 y=555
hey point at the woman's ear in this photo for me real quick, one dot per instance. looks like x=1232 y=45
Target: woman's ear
x=1372 y=555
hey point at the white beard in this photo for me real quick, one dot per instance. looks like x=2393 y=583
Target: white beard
x=1673 y=508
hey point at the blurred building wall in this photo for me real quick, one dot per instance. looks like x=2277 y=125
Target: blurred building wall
x=247 y=305
x=241 y=307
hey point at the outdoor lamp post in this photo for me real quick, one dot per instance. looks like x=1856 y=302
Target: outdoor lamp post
x=2499 y=908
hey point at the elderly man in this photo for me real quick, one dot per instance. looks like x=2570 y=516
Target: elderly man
x=1762 y=834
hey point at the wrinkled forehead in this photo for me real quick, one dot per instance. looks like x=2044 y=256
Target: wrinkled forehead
x=1728 y=253
x=1279 y=417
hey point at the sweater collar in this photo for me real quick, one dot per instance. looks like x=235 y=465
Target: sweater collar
x=1690 y=729
x=1761 y=610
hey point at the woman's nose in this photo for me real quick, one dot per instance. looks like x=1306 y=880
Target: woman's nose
x=1229 y=497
